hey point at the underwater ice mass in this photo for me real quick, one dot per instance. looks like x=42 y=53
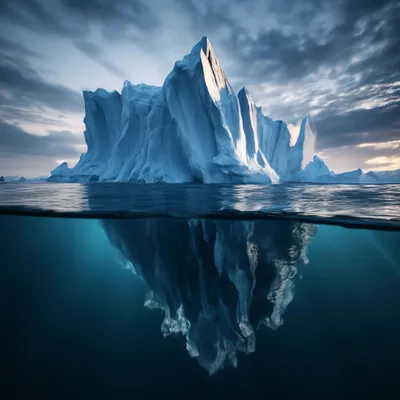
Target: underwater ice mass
x=216 y=282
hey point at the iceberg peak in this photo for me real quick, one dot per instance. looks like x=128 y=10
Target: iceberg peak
x=194 y=57
x=244 y=95
x=318 y=160
x=205 y=45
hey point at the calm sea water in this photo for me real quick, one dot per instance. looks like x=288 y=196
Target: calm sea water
x=203 y=292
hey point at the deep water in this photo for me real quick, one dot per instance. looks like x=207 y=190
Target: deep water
x=317 y=324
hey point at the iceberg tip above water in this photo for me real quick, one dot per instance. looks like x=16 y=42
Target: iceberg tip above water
x=195 y=128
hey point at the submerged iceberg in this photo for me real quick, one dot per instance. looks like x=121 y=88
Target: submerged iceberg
x=194 y=128
x=215 y=281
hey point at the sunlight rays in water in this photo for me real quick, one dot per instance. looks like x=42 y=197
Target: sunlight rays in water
x=395 y=264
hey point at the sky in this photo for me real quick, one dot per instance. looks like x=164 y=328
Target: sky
x=337 y=61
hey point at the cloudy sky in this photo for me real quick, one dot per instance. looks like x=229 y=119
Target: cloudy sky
x=335 y=60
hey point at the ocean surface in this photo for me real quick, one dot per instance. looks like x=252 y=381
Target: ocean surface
x=200 y=291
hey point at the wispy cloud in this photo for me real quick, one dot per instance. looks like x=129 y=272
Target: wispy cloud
x=384 y=163
x=16 y=142
x=393 y=145
x=23 y=91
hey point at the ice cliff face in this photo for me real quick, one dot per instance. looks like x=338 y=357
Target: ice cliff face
x=192 y=129
x=216 y=281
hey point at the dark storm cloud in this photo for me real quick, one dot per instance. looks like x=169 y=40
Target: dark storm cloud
x=211 y=15
x=358 y=26
x=73 y=17
x=74 y=20
x=14 y=141
x=116 y=15
x=380 y=124
x=21 y=86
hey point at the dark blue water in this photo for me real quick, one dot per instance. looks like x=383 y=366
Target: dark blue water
x=198 y=307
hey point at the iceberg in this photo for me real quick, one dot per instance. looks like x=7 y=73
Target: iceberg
x=14 y=178
x=316 y=171
x=216 y=282
x=374 y=177
x=194 y=128
x=23 y=179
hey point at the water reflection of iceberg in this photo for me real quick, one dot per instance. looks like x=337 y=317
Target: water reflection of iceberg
x=217 y=281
